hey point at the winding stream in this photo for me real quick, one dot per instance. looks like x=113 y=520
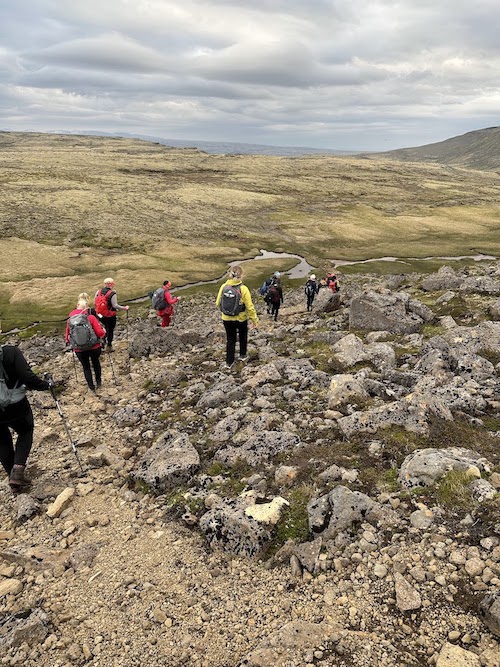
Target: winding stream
x=300 y=270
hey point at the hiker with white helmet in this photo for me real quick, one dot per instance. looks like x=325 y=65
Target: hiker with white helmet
x=106 y=305
x=311 y=289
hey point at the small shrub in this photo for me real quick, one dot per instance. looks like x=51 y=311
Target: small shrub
x=453 y=490
x=294 y=522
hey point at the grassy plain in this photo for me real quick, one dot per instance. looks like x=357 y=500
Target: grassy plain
x=74 y=209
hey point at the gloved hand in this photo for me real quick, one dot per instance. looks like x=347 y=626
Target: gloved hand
x=49 y=379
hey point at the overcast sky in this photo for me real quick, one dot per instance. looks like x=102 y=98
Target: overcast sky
x=341 y=74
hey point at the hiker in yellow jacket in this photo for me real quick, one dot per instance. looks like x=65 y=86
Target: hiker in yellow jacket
x=237 y=308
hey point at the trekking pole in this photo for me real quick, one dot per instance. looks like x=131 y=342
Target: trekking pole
x=49 y=379
x=126 y=338
x=74 y=364
x=112 y=367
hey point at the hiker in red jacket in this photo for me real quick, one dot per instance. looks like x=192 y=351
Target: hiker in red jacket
x=84 y=334
x=167 y=313
x=106 y=305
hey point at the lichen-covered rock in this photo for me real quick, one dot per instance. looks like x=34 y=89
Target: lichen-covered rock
x=31 y=630
x=445 y=279
x=337 y=511
x=26 y=507
x=351 y=350
x=346 y=389
x=128 y=416
x=258 y=448
x=425 y=467
x=223 y=393
x=384 y=312
x=226 y=526
x=170 y=462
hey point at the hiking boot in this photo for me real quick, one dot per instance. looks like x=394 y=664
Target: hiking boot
x=18 y=479
x=243 y=358
x=228 y=366
x=109 y=348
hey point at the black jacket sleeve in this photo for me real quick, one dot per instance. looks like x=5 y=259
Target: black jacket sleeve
x=18 y=370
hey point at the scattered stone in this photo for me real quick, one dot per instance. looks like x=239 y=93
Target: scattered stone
x=62 y=501
x=407 y=598
x=10 y=586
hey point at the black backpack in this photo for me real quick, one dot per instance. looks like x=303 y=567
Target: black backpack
x=8 y=396
x=81 y=333
x=230 y=301
x=158 y=300
x=310 y=288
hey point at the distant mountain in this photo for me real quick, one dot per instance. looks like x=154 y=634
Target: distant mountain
x=479 y=149
x=217 y=147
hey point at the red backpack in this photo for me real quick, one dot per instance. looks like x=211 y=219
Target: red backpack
x=274 y=294
x=103 y=303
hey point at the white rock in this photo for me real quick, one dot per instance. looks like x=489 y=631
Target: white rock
x=61 y=502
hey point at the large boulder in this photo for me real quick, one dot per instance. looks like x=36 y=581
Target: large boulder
x=384 y=312
x=350 y=350
x=170 y=462
x=480 y=285
x=425 y=467
x=445 y=279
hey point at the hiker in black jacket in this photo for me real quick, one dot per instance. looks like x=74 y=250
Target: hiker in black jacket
x=17 y=375
x=311 y=289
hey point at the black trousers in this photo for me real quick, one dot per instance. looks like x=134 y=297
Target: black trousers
x=109 y=323
x=21 y=422
x=310 y=299
x=85 y=358
x=275 y=307
x=235 y=329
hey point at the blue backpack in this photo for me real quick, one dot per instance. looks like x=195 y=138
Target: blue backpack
x=264 y=288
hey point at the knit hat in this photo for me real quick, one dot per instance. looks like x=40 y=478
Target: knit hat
x=312 y=277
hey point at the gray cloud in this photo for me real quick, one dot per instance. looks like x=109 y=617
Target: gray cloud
x=367 y=74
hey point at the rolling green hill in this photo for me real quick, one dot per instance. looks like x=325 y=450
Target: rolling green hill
x=479 y=149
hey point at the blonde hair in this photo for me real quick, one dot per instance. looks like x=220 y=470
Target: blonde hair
x=82 y=303
x=109 y=281
x=235 y=271
x=84 y=296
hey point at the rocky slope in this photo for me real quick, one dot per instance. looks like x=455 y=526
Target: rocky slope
x=332 y=501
